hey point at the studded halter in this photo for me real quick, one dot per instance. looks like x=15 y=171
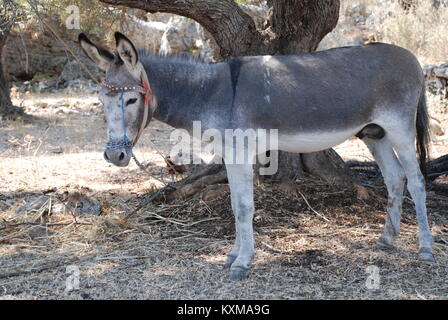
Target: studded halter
x=150 y=102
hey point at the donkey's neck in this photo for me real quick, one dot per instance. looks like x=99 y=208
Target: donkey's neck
x=183 y=88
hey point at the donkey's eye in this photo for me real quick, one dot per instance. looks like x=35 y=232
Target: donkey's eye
x=131 y=101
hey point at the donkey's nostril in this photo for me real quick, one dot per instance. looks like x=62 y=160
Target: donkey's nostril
x=117 y=157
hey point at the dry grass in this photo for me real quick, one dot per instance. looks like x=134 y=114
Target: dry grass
x=175 y=251
x=318 y=248
x=422 y=31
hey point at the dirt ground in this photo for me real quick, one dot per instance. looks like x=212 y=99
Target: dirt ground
x=313 y=240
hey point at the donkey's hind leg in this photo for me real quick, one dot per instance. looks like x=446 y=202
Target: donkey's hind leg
x=394 y=178
x=404 y=145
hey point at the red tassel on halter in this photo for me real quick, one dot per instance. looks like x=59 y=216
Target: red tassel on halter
x=148 y=94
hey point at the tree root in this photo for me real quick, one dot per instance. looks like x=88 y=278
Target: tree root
x=437 y=167
x=190 y=187
x=11 y=112
x=327 y=165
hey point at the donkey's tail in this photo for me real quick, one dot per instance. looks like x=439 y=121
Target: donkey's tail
x=423 y=132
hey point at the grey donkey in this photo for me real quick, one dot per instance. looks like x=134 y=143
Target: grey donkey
x=314 y=101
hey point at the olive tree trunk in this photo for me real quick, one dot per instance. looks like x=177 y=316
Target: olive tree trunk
x=292 y=26
x=7 y=16
x=5 y=101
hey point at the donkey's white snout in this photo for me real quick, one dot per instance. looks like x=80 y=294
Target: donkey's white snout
x=118 y=157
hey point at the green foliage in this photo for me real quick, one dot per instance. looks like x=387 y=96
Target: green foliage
x=95 y=17
x=39 y=76
x=193 y=50
x=8 y=14
x=254 y=2
x=422 y=30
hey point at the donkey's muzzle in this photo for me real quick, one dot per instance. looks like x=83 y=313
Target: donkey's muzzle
x=118 y=152
x=118 y=157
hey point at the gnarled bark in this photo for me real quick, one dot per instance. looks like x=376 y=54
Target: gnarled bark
x=437 y=167
x=5 y=100
x=7 y=16
x=233 y=30
x=300 y=25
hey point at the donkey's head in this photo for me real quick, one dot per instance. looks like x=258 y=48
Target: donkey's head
x=126 y=95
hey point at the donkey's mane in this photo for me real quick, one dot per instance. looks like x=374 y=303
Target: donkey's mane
x=147 y=57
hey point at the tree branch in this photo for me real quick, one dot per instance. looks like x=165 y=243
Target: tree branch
x=234 y=30
x=8 y=15
x=299 y=25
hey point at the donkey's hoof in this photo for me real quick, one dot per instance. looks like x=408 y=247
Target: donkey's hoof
x=426 y=255
x=383 y=245
x=229 y=261
x=239 y=273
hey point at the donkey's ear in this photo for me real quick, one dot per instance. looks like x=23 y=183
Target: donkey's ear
x=97 y=54
x=126 y=51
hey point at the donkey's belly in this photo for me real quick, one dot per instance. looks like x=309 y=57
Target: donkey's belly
x=315 y=141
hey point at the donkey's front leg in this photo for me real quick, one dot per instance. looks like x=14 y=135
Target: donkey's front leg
x=240 y=178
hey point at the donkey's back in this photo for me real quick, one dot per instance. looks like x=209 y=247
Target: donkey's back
x=326 y=90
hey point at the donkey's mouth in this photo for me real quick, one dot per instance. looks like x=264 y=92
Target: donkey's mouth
x=118 y=157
